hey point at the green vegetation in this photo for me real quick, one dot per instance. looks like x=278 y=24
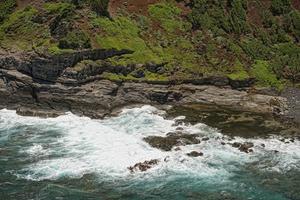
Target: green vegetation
x=168 y=16
x=239 y=72
x=279 y=7
x=211 y=37
x=263 y=73
x=6 y=7
x=59 y=8
x=99 y=6
x=75 y=40
x=20 y=27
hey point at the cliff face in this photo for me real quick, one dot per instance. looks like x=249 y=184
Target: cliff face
x=63 y=56
x=51 y=92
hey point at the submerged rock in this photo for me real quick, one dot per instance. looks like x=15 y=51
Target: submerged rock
x=143 y=166
x=172 y=140
x=195 y=154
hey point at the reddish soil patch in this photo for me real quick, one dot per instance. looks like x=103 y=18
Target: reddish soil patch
x=255 y=9
x=132 y=6
x=137 y=6
x=23 y=3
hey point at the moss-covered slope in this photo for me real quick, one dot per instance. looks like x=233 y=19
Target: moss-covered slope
x=234 y=38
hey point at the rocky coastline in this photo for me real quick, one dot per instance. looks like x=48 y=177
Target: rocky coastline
x=44 y=86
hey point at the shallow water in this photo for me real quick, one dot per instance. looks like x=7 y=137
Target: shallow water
x=73 y=157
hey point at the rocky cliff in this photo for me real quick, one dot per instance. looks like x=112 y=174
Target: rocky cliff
x=40 y=87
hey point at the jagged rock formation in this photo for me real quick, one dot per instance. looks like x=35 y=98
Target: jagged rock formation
x=40 y=87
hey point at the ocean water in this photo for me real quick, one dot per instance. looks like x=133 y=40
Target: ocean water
x=71 y=157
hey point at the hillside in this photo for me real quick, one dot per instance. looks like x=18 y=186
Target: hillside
x=238 y=39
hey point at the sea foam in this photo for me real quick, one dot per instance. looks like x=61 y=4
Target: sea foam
x=72 y=146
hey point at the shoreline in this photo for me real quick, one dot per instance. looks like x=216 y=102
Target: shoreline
x=45 y=86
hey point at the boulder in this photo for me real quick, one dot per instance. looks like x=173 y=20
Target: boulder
x=143 y=166
x=244 y=147
x=172 y=140
x=195 y=154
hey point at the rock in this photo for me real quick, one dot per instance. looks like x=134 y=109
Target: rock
x=242 y=83
x=195 y=154
x=178 y=122
x=223 y=143
x=143 y=166
x=177 y=149
x=155 y=68
x=205 y=139
x=138 y=74
x=50 y=83
x=244 y=147
x=172 y=140
x=49 y=68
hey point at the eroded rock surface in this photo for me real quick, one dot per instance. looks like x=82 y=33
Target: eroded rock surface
x=43 y=85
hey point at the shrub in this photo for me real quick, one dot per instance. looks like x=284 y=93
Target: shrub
x=238 y=16
x=75 y=40
x=99 y=6
x=169 y=16
x=60 y=8
x=292 y=23
x=264 y=75
x=6 y=7
x=279 y=7
x=255 y=48
x=287 y=61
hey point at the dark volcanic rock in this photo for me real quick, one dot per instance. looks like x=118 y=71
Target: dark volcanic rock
x=244 y=147
x=51 y=84
x=172 y=140
x=49 y=68
x=143 y=166
x=138 y=74
x=195 y=154
x=241 y=83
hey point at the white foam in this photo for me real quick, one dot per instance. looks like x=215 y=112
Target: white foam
x=108 y=147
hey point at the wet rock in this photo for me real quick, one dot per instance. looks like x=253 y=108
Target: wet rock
x=205 y=139
x=179 y=129
x=223 y=143
x=167 y=159
x=177 y=149
x=172 y=140
x=178 y=122
x=195 y=154
x=244 y=147
x=143 y=166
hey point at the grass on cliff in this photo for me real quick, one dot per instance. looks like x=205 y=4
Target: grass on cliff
x=6 y=8
x=20 y=32
x=150 y=42
x=265 y=76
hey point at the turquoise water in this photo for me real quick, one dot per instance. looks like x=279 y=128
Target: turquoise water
x=72 y=157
